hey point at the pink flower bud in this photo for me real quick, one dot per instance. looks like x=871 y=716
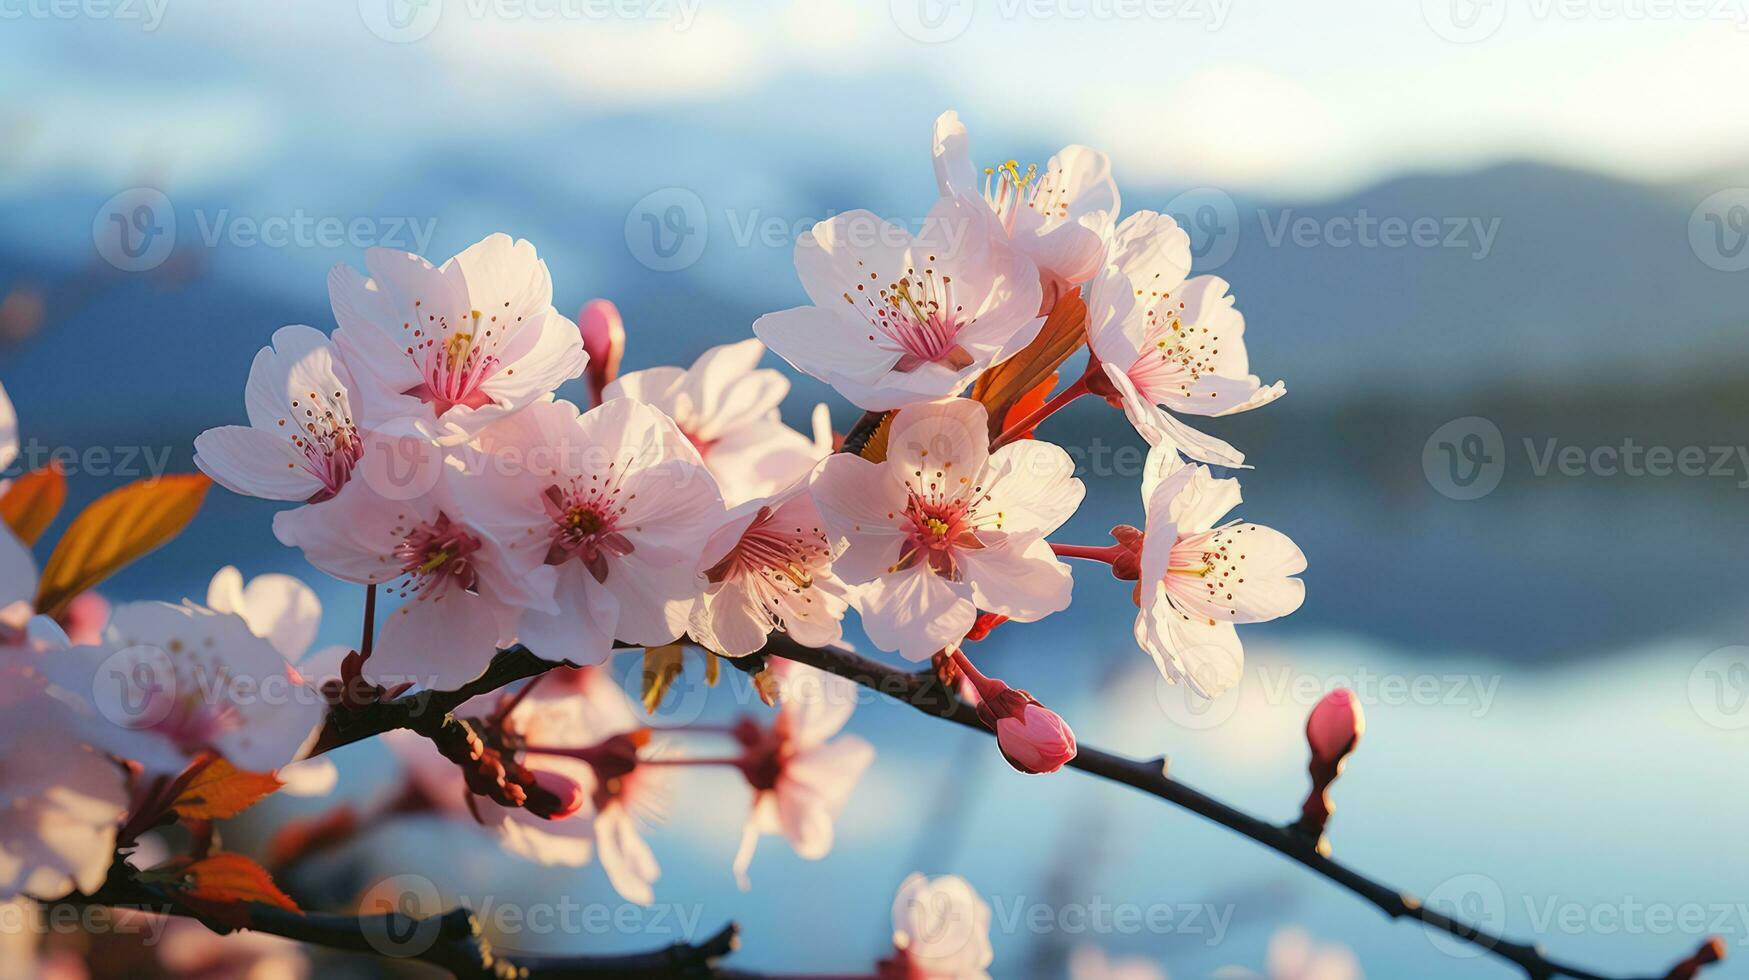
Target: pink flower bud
x=1336 y=723
x=604 y=340
x=557 y=798
x=1035 y=739
x=1032 y=737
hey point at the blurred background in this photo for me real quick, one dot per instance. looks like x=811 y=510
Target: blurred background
x=1498 y=250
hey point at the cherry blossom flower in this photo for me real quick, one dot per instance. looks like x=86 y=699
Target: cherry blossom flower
x=8 y=435
x=604 y=340
x=177 y=680
x=1091 y=963
x=769 y=567
x=896 y=320
x=301 y=442
x=727 y=406
x=1165 y=340
x=286 y=613
x=1294 y=955
x=64 y=799
x=451 y=348
x=941 y=931
x=1198 y=580
x=190 y=949
x=584 y=733
x=463 y=591
x=801 y=776
x=1060 y=217
x=616 y=502
x=943 y=527
x=1033 y=738
x=18 y=580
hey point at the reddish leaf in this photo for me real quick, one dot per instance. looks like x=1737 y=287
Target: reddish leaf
x=222 y=791
x=31 y=503
x=219 y=886
x=1063 y=333
x=117 y=528
x=1029 y=403
x=299 y=839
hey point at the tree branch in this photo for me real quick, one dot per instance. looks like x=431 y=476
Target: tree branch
x=925 y=692
x=451 y=941
x=428 y=712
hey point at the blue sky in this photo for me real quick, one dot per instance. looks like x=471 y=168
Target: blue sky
x=1286 y=97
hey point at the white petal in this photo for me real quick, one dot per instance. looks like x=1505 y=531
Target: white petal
x=915 y=612
x=1033 y=485
x=939 y=448
x=439 y=643
x=255 y=463
x=1024 y=585
x=860 y=504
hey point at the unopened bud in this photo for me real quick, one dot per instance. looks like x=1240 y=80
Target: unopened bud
x=1332 y=730
x=554 y=797
x=1032 y=737
x=604 y=340
x=1711 y=951
x=1035 y=739
x=1335 y=725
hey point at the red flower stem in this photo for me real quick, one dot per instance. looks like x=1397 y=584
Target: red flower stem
x=1044 y=411
x=1086 y=552
x=687 y=762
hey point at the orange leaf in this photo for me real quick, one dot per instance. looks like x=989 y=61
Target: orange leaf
x=217 y=885
x=1029 y=403
x=117 y=528
x=875 y=449
x=1063 y=333
x=222 y=791
x=31 y=503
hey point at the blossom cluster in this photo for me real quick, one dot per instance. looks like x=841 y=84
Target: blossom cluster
x=428 y=455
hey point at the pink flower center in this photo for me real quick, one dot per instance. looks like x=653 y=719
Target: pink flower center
x=457 y=360
x=1011 y=190
x=324 y=432
x=934 y=530
x=916 y=318
x=787 y=557
x=1205 y=569
x=1174 y=356
x=437 y=556
x=586 y=523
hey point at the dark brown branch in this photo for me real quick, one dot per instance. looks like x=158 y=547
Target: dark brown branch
x=925 y=692
x=451 y=941
x=425 y=712
x=429 y=712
